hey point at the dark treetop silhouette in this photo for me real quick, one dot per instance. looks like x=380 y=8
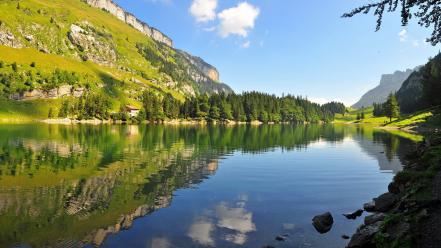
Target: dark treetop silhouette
x=428 y=13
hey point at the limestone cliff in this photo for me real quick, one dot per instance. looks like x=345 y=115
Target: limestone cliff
x=130 y=19
x=389 y=83
x=207 y=69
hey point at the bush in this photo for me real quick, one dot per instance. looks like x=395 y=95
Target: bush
x=2 y=64
x=33 y=64
x=14 y=67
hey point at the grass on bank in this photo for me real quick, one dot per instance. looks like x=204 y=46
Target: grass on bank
x=429 y=117
x=351 y=117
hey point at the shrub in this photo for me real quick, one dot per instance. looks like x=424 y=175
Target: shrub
x=14 y=67
x=33 y=64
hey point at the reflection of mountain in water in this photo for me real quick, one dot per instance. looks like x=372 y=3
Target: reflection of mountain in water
x=74 y=185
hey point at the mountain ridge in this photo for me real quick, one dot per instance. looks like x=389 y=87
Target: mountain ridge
x=125 y=59
x=389 y=83
x=130 y=19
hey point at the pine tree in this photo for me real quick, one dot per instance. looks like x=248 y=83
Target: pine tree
x=392 y=108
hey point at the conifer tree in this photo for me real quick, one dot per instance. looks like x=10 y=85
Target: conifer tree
x=392 y=108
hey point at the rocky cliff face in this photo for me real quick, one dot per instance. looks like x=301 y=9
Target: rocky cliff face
x=205 y=75
x=130 y=19
x=64 y=90
x=389 y=83
x=207 y=69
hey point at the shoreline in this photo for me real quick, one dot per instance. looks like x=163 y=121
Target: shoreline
x=409 y=214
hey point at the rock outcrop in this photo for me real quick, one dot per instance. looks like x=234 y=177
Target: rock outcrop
x=65 y=90
x=130 y=19
x=93 y=47
x=7 y=38
x=207 y=69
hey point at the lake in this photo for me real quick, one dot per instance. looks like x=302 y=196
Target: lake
x=187 y=186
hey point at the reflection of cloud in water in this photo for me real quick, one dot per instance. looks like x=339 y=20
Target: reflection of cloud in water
x=236 y=220
x=161 y=243
x=201 y=231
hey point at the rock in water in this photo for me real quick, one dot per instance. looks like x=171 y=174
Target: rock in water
x=354 y=215
x=371 y=219
x=323 y=223
x=280 y=238
x=369 y=207
x=385 y=202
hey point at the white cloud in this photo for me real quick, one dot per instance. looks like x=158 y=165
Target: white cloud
x=209 y=29
x=238 y=20
x=204 y=10
x=246 y=44
x=403 y=35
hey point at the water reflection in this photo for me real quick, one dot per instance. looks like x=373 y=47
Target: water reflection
x=76 y=185
x=230 y=223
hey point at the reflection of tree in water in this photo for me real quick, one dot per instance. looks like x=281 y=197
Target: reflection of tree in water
x=390 y=143
x=80 y=183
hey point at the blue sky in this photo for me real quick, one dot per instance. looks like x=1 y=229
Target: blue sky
x=301 y=47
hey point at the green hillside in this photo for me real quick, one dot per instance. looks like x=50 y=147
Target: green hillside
x=45 y=45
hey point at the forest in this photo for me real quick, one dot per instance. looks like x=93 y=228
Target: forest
x=246 y=107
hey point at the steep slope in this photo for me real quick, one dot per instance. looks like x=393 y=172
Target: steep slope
x=411 y=92
x=389 y=83
x=51 y=49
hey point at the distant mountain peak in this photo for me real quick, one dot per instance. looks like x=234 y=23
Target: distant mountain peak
x=389 y=83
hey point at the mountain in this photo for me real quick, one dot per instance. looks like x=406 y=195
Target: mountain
x=389 y=83
x=411 y=92
x=61 y=48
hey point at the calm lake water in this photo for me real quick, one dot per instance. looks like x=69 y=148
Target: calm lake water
x=165 y=186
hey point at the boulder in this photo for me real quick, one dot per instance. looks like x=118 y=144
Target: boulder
x=363 y=237
x=369 y=206
x=323 y=222
x=354 y=215
x=393 y=188
x=371 y=219
x=385 y=202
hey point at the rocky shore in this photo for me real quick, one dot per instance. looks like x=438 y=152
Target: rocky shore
x=409 y=215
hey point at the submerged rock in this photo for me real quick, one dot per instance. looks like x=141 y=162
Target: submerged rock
x=280 y=238
x=323 y=223
x=345 y=236
x=354 y=215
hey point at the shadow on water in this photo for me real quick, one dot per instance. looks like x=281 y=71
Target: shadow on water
x=75 y=185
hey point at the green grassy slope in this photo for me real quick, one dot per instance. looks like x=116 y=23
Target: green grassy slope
x=430 y=118
x=351 y=117
x=41 y=33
